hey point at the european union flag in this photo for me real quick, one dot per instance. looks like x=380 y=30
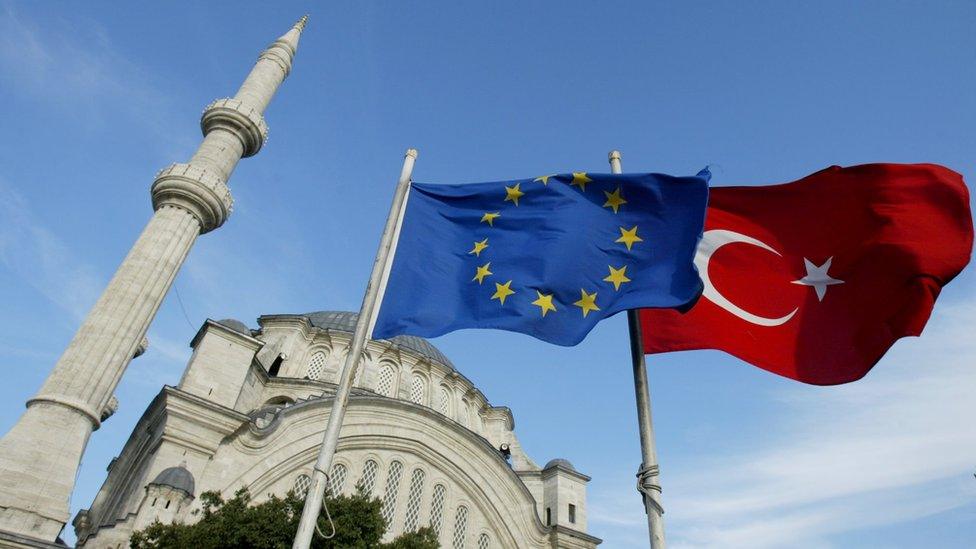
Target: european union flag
x=548 y=256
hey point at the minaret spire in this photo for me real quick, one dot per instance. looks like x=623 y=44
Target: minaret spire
x=40 y=455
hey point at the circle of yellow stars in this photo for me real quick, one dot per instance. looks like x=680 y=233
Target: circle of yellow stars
x=587 y=302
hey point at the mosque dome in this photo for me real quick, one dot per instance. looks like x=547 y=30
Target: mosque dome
x=559 y=462
x=235 y=325
x=176 y=477
x=345 y=321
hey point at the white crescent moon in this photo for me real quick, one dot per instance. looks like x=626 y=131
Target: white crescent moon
x=710 y=243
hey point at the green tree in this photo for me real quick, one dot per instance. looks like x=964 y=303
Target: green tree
x=236 y=524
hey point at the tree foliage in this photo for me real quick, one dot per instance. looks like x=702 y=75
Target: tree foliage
x=236 y=524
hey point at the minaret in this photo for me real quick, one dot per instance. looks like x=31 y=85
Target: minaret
x=40 y=455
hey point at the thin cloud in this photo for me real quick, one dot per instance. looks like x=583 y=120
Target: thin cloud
x=881 y=451
x=889 y=449
x=37 y=255
x=74 y=66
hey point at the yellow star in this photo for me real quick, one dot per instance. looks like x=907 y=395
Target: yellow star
x=614 y=200
x=479 y=246
x=587 y=303
x=628 y=237
x=513 y=193
x=580 y=180
x=544 y=178
x=544 y=302
x=617 y=276
x=489 y=217
x=502 y=291
x=482 y=273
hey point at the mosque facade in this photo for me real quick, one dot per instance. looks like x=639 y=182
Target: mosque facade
x=251 y=409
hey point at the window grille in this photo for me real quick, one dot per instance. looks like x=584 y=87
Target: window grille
x=484 y=542
x=413 y=500
x=463 y=413
x=302 y=482
x=337 y=478
x=417 y=390
x=316 y=365
x=437 y=509
x=368 y=480
x=444 y=404
x=392 y=490
x=460 y=527
x=384 y=385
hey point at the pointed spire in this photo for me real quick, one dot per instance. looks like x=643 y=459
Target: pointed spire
x=272 y=67
x=291 y=37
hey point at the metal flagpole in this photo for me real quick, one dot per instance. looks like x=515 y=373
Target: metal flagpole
x=313 y=499
x=648 y=483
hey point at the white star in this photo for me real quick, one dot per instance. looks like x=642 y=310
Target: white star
x=818 y=277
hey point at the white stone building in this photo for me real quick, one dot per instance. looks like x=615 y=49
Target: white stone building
x=251 y=409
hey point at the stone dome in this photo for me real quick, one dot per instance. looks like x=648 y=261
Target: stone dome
x=235 y=325
x=176 y=477
x=345 y=321
x=560 y=462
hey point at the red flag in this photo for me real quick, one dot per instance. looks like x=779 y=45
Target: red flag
x=816 y=279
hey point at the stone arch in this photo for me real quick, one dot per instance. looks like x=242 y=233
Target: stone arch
x=338 y=474
x=445 y=400
x=464 y=413
x=316 y=358
x=415 y=495
x=280 y=400
x=387 y=379
x=365 y=364
x=369 y=474
x=459 y=532
x=419 y=388
x=471 y=469
x=438 y=500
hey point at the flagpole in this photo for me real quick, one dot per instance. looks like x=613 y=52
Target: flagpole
x=648 y=483
x=316 y=491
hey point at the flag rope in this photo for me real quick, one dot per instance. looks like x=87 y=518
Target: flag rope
x=648 y=484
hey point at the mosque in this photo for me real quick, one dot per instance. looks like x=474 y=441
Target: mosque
x=251 y=408
x=250 y=411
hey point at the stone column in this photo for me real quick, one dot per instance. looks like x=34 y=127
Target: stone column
x=40 y=455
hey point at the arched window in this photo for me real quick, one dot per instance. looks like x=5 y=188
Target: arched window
x=460 y=527
x=316 y=365
x=413 y=500
x=437 y=509
x=276 y=366
x=302 y=482
x=475 y=421
x=462 y=414
x=484 y=542
x=282 y=400
x=368 y=480
x=385 y=381
x=337 y=478
x=392 y=490
x=444 y=401
x=418 y=390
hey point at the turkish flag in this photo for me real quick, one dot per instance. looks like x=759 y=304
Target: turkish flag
x=814 y=280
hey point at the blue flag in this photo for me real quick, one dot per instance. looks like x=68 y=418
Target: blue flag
x=549 y=256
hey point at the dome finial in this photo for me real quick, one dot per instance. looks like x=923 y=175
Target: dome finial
x=300 y=25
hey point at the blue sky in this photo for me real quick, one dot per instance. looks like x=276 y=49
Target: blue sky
x=97 y=97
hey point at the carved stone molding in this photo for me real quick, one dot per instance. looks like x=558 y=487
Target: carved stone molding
x=195 y=190
x=238 y=118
